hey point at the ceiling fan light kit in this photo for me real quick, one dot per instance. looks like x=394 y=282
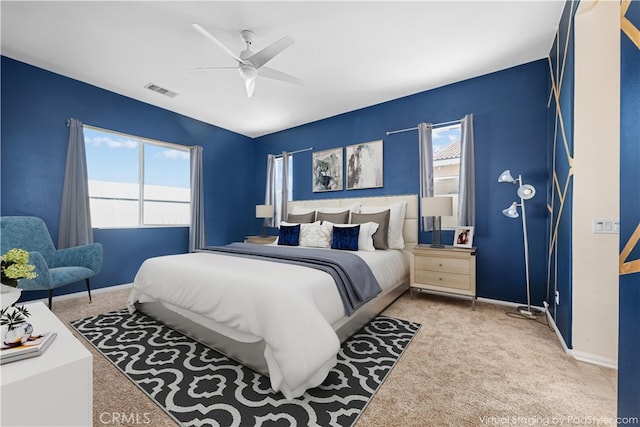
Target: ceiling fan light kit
x=250 y=64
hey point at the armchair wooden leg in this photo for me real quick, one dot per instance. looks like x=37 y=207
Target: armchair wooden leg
x=50 y=297
x=88 y=289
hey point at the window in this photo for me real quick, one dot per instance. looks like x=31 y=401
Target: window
x=136 y=182
x=278 y=174
x=446 y=167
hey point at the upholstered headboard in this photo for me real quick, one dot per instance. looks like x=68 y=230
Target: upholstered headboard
x=410 y=230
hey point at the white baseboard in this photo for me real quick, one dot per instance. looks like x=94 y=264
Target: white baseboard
x=84 y=292
x=594 y=359
x=578 y=355
x=552 y=323
x=582 y=356
x=507 y=303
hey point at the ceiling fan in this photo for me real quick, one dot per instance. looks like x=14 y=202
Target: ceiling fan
x=250 y=64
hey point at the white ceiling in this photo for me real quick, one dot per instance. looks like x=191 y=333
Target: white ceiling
x=351 y=54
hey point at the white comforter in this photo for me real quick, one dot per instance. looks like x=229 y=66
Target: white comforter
x=255 y=298
x=291 y=307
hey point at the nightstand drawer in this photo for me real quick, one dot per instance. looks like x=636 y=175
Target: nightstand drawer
x=448 y=280
x=449 y=265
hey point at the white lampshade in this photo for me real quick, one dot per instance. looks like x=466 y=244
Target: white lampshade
x=437 y=206
x=506 y=177
x=526 y=191
x=511 y=211
x=264 y=211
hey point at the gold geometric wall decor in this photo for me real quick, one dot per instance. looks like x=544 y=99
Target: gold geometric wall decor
x=626 y=266
x=560 y=185
x=626 y=25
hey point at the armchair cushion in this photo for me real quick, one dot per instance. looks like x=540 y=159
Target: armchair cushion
x=89 y=256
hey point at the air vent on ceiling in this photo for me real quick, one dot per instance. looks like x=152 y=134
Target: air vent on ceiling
x=160 y=90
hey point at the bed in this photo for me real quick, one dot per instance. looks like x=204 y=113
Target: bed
x=283 y=320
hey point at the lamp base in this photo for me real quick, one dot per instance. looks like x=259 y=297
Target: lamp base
x=530 y=312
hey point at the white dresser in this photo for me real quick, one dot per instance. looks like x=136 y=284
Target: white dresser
x=53 y=389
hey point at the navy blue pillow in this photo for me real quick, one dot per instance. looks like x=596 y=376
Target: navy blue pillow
x=289 y=235
x=345 y=238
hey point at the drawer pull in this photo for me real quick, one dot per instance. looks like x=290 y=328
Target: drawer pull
x=440 y=278
x=440 y=264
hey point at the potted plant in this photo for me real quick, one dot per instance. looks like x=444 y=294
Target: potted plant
x=14 y=265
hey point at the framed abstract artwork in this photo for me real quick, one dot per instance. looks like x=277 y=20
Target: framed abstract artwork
x=327 y=170
x=364 y=165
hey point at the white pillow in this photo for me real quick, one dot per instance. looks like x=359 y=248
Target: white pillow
x=365 y=236
x=396 y=221
x=316 y=235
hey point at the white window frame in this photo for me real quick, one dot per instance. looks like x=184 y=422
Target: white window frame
x=142 y=142
x=278 y=168
x=450 y=222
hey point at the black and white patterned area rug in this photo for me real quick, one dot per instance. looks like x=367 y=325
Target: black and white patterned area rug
x=199 y=386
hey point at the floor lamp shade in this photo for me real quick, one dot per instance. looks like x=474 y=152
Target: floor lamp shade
x=437 y=207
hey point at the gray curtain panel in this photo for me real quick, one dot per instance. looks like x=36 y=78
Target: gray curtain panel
x=285 y=188
x=197 y=237
x=426 y=169
x=75 y=215
x=270 y=188
x=467 y=190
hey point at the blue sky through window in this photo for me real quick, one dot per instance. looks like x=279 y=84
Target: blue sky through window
x=441 y=137
x=114 y=158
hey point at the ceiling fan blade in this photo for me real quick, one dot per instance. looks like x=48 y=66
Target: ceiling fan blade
x=251 y=87
x=270 y=73
x=212 y=68
x=260 y=58
x=209 y=36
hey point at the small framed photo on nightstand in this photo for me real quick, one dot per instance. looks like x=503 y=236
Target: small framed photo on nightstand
x=463 y=237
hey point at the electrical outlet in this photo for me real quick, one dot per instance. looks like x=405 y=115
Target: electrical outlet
x=557 y=298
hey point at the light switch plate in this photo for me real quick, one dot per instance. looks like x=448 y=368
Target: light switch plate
x=605 y=226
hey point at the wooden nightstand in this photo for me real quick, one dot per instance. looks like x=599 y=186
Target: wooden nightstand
x=450 y=270
x=262 y=240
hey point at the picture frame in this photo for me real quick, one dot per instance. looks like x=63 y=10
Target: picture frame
x=463 y=237
x=327 y=170
x=364 y=163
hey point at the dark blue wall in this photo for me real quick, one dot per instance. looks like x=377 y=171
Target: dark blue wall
x=559 y=161
x=35 y=107
x=510 y=119
x=629 y=306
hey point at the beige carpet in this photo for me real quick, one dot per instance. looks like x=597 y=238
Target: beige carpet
x=464 y=368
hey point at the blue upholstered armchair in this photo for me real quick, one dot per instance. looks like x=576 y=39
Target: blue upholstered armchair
x=55 y=268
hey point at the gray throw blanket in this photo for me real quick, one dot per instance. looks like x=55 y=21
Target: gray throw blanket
x=355 y=282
